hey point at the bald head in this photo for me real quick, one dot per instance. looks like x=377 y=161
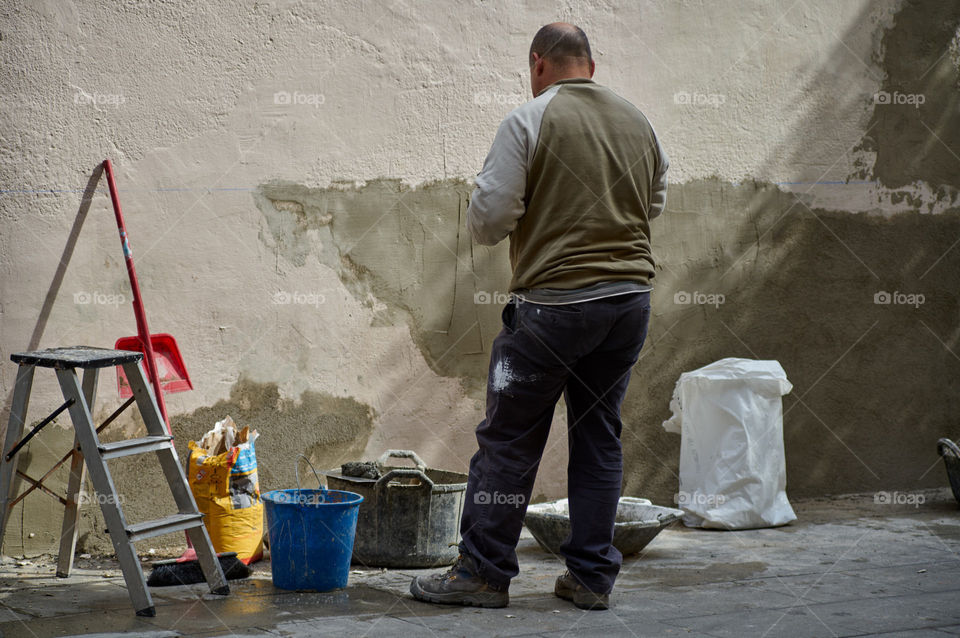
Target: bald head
x=562 y=44
x=559 y=51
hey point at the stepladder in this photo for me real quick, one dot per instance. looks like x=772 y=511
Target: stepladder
x=90 y=455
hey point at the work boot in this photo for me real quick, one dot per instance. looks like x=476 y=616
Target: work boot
x=459 y=586
x=569 y=588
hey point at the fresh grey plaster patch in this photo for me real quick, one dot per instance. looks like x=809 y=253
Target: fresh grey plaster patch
x=799 y=284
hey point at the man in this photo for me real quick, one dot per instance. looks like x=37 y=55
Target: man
x=573 y=178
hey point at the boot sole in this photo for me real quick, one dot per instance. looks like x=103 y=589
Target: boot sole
x=587 y=601
x=490 y=600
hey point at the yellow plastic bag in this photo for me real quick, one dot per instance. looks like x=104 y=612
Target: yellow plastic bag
x=223 y=477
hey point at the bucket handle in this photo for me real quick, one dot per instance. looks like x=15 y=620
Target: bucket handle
x=296 y=469
x=947 y=448
x=402 y=454
x=405 y=471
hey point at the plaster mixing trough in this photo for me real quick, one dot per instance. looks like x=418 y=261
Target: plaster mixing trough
x=638 y=522
x=410 y=516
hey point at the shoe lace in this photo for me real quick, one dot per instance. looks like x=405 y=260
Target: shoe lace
x=457 y=566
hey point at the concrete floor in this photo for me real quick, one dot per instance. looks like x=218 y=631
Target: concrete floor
x=848 y=567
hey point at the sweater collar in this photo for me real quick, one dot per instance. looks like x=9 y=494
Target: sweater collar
x=567 y=81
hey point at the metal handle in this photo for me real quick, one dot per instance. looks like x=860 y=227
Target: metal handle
x=405 y=471
x=946 y=447
x=296 y=469
x=402 y=454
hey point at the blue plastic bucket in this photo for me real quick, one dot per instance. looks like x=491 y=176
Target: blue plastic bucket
x=311 y=537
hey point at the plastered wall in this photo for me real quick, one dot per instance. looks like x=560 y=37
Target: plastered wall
x=295 y=177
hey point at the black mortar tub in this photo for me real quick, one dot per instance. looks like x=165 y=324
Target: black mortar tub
x=950 y=452
x=410 y=516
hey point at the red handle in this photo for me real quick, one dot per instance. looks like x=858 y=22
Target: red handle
x=143 y=332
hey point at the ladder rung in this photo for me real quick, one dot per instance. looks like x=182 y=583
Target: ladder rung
x=134 y=446
x=167 y=525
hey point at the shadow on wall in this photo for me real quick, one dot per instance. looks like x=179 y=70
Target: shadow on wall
x=874 y=373
x=914 y=131
x=874 y=387
x=51 y=296
x=43 y=518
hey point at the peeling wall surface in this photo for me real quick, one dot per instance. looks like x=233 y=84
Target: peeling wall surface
x=295 y=178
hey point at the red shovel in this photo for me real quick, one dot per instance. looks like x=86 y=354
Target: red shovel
x=167 y=373
x=165 y=367
x=160 y=350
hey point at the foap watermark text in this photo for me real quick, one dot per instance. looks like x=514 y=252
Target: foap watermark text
x=83 y=98
x=484 y=297
x=698 y=499
x=695 y=98
x=286 y=98
x=296 y=298
x=897 y=298
x=899 y=498
x=100 y=499
x=97 y=298
x=481 y=98
x=697 y=298
x=911 y=99
x=481 y=497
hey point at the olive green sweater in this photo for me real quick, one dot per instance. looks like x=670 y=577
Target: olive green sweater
x=573 y=177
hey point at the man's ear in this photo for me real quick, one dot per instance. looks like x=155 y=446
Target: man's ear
x=593 y=67
x=537 y=67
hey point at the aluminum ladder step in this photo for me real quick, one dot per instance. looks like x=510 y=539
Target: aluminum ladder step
x=90 y=455
x=166 y=525
x=134 y=446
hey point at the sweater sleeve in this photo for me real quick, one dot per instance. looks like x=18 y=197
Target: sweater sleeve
x=497 y=201
x=658 y=189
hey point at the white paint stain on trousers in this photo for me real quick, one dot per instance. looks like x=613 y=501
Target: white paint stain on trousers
x=504 y=375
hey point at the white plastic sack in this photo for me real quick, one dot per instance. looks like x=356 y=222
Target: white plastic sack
x=732 y=468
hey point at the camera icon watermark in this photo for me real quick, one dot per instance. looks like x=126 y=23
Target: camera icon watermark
x=296 y=298
x=899 y=498
x=898 y=98
x=698 y=499
x=897 y=298
x=97 y=298
x=286 y=98
x=695 y=98
x=481 y=497
x=483 y=297
x=697 y=298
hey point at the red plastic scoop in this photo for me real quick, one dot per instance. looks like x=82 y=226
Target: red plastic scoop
x=170 y=368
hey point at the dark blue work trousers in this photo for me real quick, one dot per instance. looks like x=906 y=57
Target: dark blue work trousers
x=585 y=351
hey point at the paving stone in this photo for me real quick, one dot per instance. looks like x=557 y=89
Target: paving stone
x=834 y=586
x=109 y=622
x=48 y=601
x=789 y=623
x=852 y=570
x=898 y=613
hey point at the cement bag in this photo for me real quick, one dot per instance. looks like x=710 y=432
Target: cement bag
x=222 y=471
x=732 y=468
